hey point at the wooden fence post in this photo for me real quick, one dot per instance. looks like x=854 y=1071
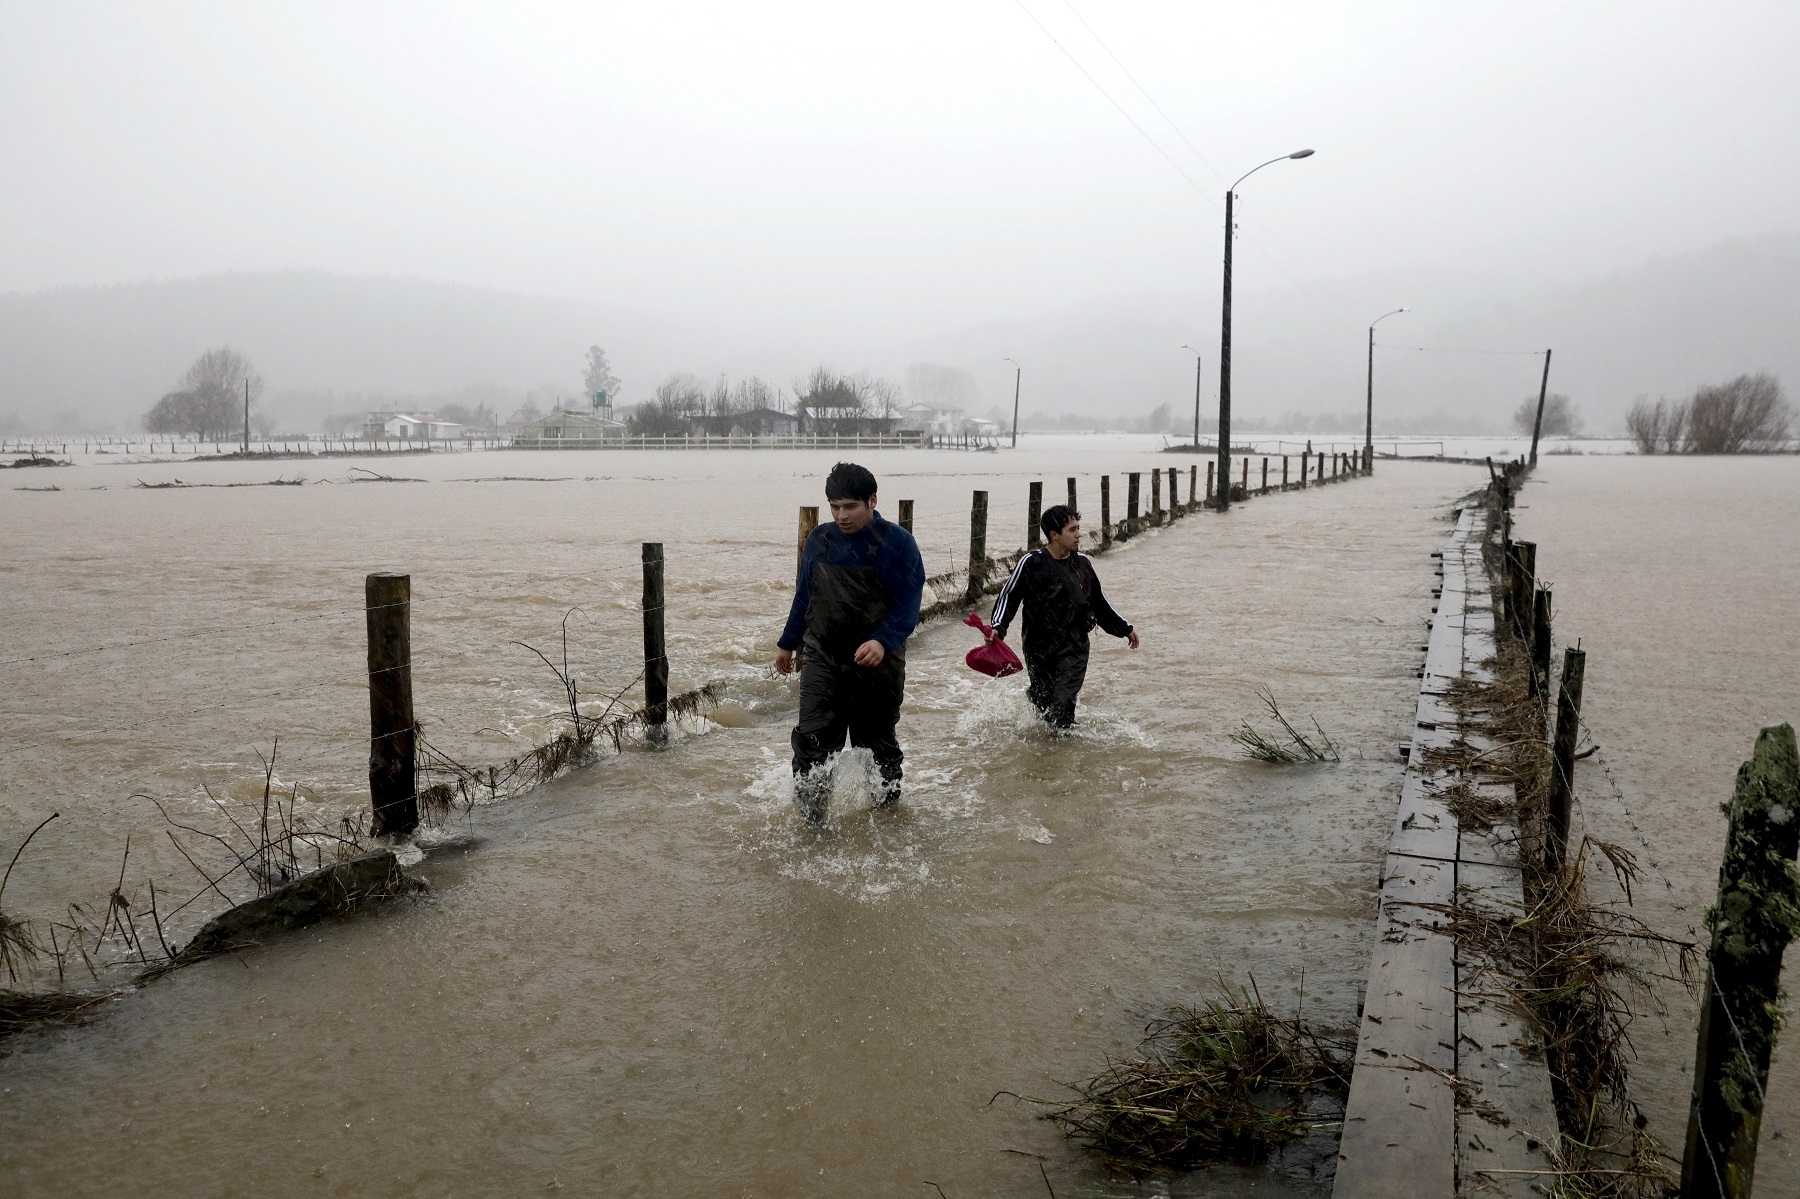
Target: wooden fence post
x=1540 y=642
x=1156 y=508
x=1521 y=582
x=1034 y=509
x=1265 y=482
x=977 y=544
x=656 y=658
x=1738 y=1017
x=393 y=734
x=1284 y=472
x=1245 y=484
x=1105 y=510
x=1194 y=488
x=906 y=515
x=1131 y=500
x=1073 y=506
x=1562 y=757
x=1210 y=467
x=1174 y=499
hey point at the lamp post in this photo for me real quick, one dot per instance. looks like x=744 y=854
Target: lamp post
x=1224 y=492
x=1196 y=354
x=1369 y=415
x=1018 y=371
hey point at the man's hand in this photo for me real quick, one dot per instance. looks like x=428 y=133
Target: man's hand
x=784 y=661
x=1131 y=639
x=993 y=636
x=870 y=653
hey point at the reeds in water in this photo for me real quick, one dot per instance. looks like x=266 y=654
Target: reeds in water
x=1288 y=746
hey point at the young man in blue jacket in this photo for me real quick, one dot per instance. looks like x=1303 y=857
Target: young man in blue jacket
x=856 y=601
x=1062 y=599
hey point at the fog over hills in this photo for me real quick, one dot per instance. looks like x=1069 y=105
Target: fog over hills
x=98 y=357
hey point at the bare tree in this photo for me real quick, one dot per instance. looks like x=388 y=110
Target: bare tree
x=753 y=393
x=666 y=414
x=599 y=376
x=1747 y=415
x=1658 y=428
x=209 y=401
x=1561 y=418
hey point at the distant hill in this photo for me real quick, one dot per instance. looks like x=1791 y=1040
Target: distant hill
x=331 y=342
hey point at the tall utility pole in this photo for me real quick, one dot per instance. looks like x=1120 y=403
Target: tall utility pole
x=1224 y=489
x=1369 y=416
x=1196 y=354
x=246 y=416
x=1537 y=426
x=1018 y=371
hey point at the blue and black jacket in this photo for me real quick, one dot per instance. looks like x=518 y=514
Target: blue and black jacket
x=851 y=589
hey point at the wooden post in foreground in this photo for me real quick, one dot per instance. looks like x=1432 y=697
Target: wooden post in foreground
x=656 y=657
x=1210 y=467
x=977 y=544
x=1520 y=586
x=392 y=732
x=1245 y=484
x=906 y=515
x=1265 y=482
x=1131 y=500
x=1174 y=499
x=1156 y=508
x=809 y=520
x=1073 y=506
x=1540 y=642
x=1105 y=510
x=1284 y=472
x=1562 y=757
x=1194 y=488
x=1034 y=509
x=1739 y=1014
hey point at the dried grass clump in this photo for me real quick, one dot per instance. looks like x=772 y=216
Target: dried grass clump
x=20 y=1010
x=1297 y=747
x=1225 y=1082
x=19 y=948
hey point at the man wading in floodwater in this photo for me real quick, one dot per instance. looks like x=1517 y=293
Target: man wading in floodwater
x=856 y=601
x=1062 y=599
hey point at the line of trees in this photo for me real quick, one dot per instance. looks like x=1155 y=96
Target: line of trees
x=1748 y=415
x=682 y=404
x=209 y=399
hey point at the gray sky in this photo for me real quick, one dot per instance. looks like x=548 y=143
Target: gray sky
x=799 y=172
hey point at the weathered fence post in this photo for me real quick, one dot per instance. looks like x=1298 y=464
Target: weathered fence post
x=1284 y=472
x=977 y=544
x=1131 y=500
x=1033 y=510
x=1562 y=757
x=1073 y=506
x=1105 y=510
x=1540 y=642
x=656 y=658
x=1750 y=926
x=1246 y=482
x=906 y=515
x=1520 y=585
x=1174 y=498
x=393 y=735
x=809 y=520
x=1210 y=467
x=1156 y=508
x=1194 y=488
x=1265 y=482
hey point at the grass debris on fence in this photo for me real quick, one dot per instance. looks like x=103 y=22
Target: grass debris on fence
x=1226 y=1081
x=1298 y=747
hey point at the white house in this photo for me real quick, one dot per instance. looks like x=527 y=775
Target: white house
x=409 y=426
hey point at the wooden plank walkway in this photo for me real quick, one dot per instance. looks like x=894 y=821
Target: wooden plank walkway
x=1450 y=1095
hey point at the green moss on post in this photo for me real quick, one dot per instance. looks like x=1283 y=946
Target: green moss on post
x=1757 y=914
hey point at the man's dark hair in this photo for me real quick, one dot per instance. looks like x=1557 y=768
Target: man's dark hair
x=848 y=481
x=1056 y=519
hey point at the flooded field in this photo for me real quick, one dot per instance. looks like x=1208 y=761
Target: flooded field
x=644 y=977
x=1681 y=577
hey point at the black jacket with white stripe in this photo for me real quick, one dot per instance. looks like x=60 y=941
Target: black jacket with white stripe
x=1062 y=601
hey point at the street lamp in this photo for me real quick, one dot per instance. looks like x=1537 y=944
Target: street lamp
x=1224 y=492
x=1017 y=372
x=1369 y=415
x=1196 y=354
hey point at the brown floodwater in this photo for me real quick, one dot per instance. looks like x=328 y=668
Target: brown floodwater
x=1681 y=577
x=644 y=977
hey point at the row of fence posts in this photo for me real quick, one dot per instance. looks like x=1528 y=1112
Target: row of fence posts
x=1758 y=895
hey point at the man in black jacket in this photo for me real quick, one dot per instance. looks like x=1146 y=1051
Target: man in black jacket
x=1062 y=599
x=856 y=601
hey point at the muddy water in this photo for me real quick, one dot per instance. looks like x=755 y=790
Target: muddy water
x=1682 y=579
x=644 y=978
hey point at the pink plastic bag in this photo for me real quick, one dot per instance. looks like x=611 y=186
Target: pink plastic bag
x=996 y=659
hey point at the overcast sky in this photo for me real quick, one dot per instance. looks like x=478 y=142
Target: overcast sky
x=915 y=167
